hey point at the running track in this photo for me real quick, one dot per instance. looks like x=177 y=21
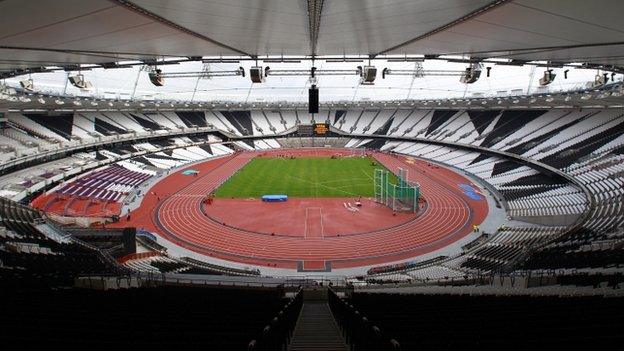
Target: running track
x=178 y=217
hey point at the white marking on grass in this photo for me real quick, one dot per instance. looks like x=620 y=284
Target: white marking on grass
x=315 y=184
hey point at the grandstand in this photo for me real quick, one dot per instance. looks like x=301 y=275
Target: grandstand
x=312 y=175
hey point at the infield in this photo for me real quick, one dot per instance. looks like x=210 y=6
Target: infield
x=303 y=177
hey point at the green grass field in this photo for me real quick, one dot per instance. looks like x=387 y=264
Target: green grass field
x=303 y=177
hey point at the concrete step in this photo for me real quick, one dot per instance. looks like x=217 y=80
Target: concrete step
x=316 y=330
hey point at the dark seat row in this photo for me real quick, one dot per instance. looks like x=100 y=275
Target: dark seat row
x=445 y=322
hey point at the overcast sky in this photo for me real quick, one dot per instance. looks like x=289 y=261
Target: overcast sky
x=120 y=83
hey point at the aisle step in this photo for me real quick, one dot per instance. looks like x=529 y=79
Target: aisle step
x=316 y=329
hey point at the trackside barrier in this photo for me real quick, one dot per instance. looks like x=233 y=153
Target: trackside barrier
x=359 y=332
x=277 y=334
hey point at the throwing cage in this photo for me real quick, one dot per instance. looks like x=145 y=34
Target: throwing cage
x=400 y=197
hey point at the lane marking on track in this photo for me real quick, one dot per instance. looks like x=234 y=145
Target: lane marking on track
x=320 y=212
x=231 y=240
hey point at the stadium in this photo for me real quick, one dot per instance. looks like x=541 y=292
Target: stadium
x=312 y=175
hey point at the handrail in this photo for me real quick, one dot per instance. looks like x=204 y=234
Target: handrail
x=359 y=332
x=277 y=334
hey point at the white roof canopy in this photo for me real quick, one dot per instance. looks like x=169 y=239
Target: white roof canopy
x=69 y=32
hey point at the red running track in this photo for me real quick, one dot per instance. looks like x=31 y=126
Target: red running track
x=305 y=217
x=175 y=212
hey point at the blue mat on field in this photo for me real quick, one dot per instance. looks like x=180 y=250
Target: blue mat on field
x=190 y=172
x=471 y=192
x=274 y=198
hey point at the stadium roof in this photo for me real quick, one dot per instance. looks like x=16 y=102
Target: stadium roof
x=70 y=32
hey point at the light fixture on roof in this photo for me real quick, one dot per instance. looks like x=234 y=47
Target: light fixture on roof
x=24 y=98
x=256 y=74
x=79 y=82
x=549 y=99
x=599 y=80
x=141 y=104
x=28 y=85
x=313 y=72
x=472 y=73
x=110 y=103
x=367 y=74
x=547 y=78
x=155 y=76
x=59 y=102
x=94 y=103
x=77 y=102
x=41 y=100
x=468 y=76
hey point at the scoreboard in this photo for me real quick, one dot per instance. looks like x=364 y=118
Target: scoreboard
x=321 y=128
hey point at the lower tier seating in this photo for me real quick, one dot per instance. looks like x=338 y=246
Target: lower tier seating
x=164 y=317
x=455 y=322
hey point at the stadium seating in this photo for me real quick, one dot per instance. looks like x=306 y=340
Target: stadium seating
x=312 y=175
x=215 y=319
x=583 y=143
x=487 y=322
x=30 y=257
x=162 y=263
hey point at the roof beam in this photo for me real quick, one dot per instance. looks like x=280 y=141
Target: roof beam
x=133 y=7
x=315 y=7
x=472 y=14
x=538 y=49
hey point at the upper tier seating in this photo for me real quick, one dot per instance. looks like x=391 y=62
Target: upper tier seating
x=585 y=143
